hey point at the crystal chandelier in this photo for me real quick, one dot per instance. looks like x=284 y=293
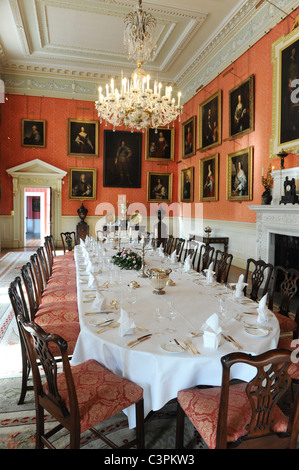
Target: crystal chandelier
x=135 y=104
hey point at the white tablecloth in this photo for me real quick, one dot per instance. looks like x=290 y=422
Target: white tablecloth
x=162 y=374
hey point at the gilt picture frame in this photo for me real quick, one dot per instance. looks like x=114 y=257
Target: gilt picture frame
x=241 y=108
x=122 y=159
x=34 y=133
x=82 y=138
x=82 y=183
x=189 y=137
x=159 y=146
x=210 y=122
x=187 y=184
x=209 y=178
x=285 y=99
x=239 y=175
x=159 y=187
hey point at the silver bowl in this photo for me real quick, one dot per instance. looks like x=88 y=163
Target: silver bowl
x=159 y=278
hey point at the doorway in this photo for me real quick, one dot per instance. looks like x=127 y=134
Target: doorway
x=36 y=216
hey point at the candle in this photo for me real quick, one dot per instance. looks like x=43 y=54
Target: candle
x=263 y=171
x=143 y=240
x=156 y=232
x=130 y=231
x=147 y=81
x=179 y=98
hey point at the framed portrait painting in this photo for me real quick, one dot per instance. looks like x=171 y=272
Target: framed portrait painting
x=82 y=183
x=209 y=122
x=208 y=178
x=122 y=159
x=33 y=133
x=239 y=175
x=285 y=101
x=187 y=184
x=241 y=108
x=82 y=138
x=159 y=146
x=189 y=137
x=159 y=187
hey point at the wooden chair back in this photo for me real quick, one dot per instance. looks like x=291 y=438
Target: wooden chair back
x=205 y=258
x=222 y=264
x=68 y=241
x=264 y=391
x=32 y=289
x=257 y=273
x=285 y=282
x=18 y=302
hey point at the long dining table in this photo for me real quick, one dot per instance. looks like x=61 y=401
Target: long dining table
x=160 y=365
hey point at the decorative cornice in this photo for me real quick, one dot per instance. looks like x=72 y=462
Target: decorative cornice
x=246 y=26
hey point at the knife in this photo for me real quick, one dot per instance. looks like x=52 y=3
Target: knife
x=231 y=340
x=139 y=339
x=102 y=311
x=134 y=343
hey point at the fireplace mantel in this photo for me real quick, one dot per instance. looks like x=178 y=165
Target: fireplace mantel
x=271 y=220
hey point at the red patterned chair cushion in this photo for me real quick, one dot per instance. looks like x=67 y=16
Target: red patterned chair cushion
x=68 y=331
x=67 y=279
x=291 y=344
x=100 y=393
x=202 y=408
x=285 y=323
x=62 y=293
x=57 y=312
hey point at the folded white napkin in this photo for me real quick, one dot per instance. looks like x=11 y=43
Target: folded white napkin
x=212 y=331
x=210 y=274
x=187 y=264
x=90 y=267
x=262 y=310
x=126 y=324
x=173 y=258
x=100 y=302
x=239 y=292
x=92 y=281
x=161 y=250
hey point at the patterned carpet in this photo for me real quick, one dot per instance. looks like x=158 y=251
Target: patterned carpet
x=10 y=265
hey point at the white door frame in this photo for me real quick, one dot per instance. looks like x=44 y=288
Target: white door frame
x=35 y=174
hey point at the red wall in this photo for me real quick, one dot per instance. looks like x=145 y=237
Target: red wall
x=257 y=61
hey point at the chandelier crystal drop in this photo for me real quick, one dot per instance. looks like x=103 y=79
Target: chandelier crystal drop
x=137 y=103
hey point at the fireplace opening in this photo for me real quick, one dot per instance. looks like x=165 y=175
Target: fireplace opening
x=287 y=252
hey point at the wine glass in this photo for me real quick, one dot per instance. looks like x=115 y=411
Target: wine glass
x=131 y=298
x=171 y=315
x=159 y=317
x=223 y=313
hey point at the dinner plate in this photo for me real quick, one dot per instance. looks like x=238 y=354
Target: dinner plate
x=259 y=332
x=172 y=347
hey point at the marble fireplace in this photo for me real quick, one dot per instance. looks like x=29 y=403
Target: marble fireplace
x=276 y=219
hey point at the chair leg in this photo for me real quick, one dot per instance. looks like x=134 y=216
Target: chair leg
x=180 y=428
x=140 y=424
x=40 y=427
x=25 y=375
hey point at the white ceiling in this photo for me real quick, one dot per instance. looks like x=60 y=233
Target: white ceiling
x=83 y=39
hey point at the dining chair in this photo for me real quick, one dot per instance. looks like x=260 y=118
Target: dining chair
x=191 y=250
x=80 y=397
x=52 y=309
x=179 y=247
x=205 y=257
x=284 y=288
x=222 y=264
x=258 y=273
x=168 y=244
x=69 y=241
x=70 y=331
x=243 y=414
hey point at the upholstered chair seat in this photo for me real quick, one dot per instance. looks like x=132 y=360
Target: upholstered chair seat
x=202 y=408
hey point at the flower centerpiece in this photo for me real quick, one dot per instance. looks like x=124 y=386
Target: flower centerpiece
x=127 y=259
x=267 y=182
